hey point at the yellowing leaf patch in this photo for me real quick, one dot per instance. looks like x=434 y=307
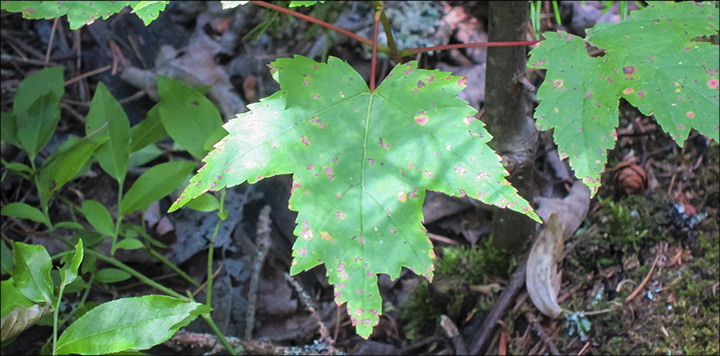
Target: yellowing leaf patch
x=361 y=164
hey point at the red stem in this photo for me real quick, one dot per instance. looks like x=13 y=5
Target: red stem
x=368 y=42
x=467 y=45
x=373 y=62
x=312 y=19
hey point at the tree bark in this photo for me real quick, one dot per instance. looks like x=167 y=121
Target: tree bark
x=507 y=116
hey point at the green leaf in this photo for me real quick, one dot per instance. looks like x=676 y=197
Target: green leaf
x=6 y=258
x=18 y=167
x=652 y=60
x=32 y=272
x=65 y=163
x=232 y=4
x=155 y=183
x=111 y=275
x=35 y=127
x=361 y=163
x=68 y=225
x=23 y=211
x=12 y=298
x=188 y=116
x=147 y=131
x=36 y=109
x=128 y=324
x=144 y=155
x=129 y=244
x=304 y=3
x=107 y=118
x=683 y=69
x=205 y=203
x=137 y=230
x=69 y=271
x=81 y=13
x=148 y=11
x=8 y=128
x=99 y=217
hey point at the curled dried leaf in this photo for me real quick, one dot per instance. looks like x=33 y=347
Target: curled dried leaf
x=22 y=318
x=542 y=278
x=629 y=178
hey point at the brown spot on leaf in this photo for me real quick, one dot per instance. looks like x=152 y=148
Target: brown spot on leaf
x=305 y=140
x=384 y=145
x=628 y=91
x=402 y=197
x=329 y=172
x=462 y=81
x=628 y=70
x=421 y=119
x=340 y=215
x=420 y=84
x=325 y=236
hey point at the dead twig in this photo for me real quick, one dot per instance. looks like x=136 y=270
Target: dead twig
x=517 y=282
x=644 y=282
x=88 y=74
x=310 y=306
x=263 y=245
x=543 y=336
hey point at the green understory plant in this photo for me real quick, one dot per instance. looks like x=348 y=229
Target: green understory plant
x=186 y=115
x=362 y=156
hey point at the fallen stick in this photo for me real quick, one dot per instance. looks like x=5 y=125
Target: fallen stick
x=644 y=282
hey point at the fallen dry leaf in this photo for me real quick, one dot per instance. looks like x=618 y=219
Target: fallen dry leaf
x=571 y=210
x=542 y=278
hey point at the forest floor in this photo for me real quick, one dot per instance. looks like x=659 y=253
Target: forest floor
x=639 y=276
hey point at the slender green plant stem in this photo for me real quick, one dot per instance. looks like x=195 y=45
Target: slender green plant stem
x=394 y=52
x=56 y=313
x=135 y=273
x=82 y=300
x=557 y=12
x=120 y=180
x=172 y=266
x=36 y=180
x=211 y=250
x=219 y=333
x=376 y=26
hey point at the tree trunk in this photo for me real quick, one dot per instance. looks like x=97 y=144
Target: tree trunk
x=507 y=116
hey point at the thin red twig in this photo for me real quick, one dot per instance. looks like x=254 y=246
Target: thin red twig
x=403 y=53
x=466 y=45
x=312 y=19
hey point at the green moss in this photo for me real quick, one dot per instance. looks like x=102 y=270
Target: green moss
x=456 y=269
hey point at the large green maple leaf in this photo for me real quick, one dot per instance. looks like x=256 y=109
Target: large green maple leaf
x=361 y=163
x=653 y=60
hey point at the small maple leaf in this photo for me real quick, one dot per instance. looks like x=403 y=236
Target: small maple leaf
x=652 y=60
x=361 y=164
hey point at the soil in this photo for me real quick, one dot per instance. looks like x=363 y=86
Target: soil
x=639 y=276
